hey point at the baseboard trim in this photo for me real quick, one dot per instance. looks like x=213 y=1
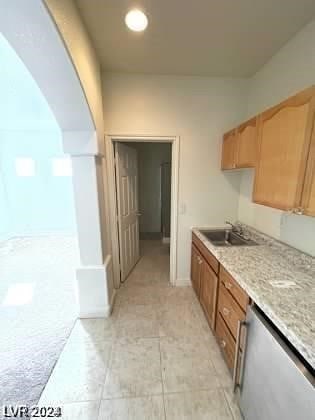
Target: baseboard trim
x=99 y=313
x=111 y=304
x=107 y=261
x=182 y=282
x=104 y=312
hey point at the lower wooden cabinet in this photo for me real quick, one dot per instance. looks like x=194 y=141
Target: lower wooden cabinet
x=229 y=309
x=226 y=341
x=222 y=299
x=196 y=262
x=239 y=295
x=208 y=293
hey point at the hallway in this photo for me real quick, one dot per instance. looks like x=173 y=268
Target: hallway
x=155 y=358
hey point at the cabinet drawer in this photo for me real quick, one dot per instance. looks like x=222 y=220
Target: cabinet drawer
x=226 y=341
x=234 y=288
x=229 y=309
x=211 y=260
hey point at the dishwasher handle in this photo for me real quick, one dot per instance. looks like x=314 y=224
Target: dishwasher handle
x=237 y=379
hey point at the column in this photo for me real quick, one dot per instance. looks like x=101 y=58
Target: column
x=94 y=276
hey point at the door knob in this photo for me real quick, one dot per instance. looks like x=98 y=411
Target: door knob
x=226 y=311
x=139 y=214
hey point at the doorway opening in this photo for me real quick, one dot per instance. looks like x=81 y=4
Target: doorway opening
x=38 y=238
x=143 y=182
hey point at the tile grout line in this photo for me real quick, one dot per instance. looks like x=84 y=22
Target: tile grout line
x=163 y=392
x=228 y=404
x=99 y=409
x=113 y=339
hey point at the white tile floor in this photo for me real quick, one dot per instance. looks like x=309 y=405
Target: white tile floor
x=155 y=358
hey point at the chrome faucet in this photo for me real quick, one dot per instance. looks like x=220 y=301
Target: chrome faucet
x=235 y=228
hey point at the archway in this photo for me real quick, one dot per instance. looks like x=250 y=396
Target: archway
x=32 y=33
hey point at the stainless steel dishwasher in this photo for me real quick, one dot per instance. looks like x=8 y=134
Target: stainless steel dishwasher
x=274 y=383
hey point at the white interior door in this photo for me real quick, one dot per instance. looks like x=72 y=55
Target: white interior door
x=127 y=203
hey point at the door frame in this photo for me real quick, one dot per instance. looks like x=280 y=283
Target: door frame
x=110 y=167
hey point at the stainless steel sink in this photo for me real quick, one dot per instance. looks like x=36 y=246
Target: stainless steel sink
x=225 y=237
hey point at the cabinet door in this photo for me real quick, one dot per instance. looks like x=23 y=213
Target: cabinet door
x=247 y=144
x=284 y=139
x=229 y=310
x=226 y=341
x=229 y=149
x=308 y=197
x=196 y=262
x=208 y=293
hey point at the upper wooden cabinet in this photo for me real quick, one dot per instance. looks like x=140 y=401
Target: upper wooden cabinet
x=308 y=194
x=285 y=133
x=239 y=147
x=280 y=144
x=246 y=153
x=229 y=149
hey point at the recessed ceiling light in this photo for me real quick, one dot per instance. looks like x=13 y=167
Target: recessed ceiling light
x=136 y=20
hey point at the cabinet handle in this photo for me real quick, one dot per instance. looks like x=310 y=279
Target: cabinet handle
x=228 y=285
x=226 y=311
x=240 y=325
x=298 y=210
x=199 y=260
x=223 y=344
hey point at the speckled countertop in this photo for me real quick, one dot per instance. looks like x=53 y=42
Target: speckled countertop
x=258 y=269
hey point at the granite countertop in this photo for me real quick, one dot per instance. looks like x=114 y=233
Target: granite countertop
x=263 y=271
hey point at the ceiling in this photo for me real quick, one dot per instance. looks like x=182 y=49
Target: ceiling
x=194 y=37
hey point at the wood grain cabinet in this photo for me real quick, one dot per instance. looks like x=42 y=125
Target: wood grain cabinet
x=196 y=262
x=229 y=150
x=239 y=295
x=280 y=145
x=208 y=293
x=285 y=134
x=308 y=194
x=222 y=299
x=204 y=279
x=246 y=154
x=231 y=309
x=226 y=341
x=239 y=148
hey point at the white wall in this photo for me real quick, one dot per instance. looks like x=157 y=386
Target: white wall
x=289 y=71
x=198 y=110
